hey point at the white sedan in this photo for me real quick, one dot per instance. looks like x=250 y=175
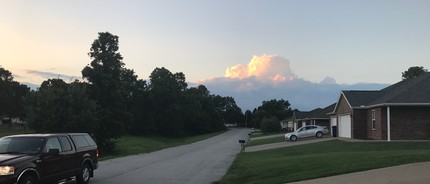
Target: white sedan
x=307 y=131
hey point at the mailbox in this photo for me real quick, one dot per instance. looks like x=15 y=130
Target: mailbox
x=242 y=141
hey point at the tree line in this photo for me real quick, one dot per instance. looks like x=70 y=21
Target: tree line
x=112 y=101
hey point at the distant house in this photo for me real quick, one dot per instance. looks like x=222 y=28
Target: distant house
x=317 y=116
x=399 y=112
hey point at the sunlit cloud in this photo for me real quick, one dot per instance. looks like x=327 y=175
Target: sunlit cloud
x=269 y=77
x=50 y=75
x=265 y=67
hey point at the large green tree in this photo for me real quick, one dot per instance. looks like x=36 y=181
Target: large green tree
x=104 y=75
x=166 y=91
x=61 y=107
x=273 y=108
x=11 y=94
x=413 y=72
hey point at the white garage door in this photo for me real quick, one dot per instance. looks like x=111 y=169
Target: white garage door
x=345 y=126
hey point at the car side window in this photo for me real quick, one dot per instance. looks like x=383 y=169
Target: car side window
x=52 y=143
x=66 y=143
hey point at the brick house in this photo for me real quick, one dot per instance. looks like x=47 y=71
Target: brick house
x=398 y=112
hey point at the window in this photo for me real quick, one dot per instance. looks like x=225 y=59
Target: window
x=52 y=143
x=80 y=141
x=373 y=120
x=66 y=143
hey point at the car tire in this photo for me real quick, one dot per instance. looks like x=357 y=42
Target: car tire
x=84 y=176
x=293 y=138
x=27 y=179
x=319 y=134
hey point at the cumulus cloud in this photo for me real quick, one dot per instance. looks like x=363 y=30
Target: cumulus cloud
x=270 y=77
x=265 y=67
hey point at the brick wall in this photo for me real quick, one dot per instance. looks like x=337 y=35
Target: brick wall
x=359 y=124
x=342 y=106
x=410 y=123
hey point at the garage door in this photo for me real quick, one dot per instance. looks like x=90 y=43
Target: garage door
x=345 y=126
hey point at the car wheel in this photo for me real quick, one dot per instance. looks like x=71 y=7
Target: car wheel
x=319 y=134
x=84 y=176
x=293 y=138
x=27 y=179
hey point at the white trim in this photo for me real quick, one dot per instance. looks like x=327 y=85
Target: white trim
x=393 y=104
x=388 y=124
x=373 y=121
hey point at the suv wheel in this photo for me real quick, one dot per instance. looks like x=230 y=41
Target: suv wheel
x=84 y=176
x=27 y=179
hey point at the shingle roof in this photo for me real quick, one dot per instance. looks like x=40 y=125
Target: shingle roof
x=408 y=91
x=317 y=113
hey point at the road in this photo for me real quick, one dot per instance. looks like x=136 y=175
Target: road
x=201 y=162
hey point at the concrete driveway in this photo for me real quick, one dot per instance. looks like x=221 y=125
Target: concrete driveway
x=416 y=173
x=203 y=162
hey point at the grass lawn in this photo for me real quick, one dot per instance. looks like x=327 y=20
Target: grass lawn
x=6 y=130
x=323 y=159
x=276 y=139
x=131 y=145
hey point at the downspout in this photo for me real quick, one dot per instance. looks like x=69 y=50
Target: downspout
x=388 y=124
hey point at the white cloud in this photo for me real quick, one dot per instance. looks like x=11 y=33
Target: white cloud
x=270 y=77
x=265 y=67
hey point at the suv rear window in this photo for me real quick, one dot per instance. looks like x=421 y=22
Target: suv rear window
x=89 y=140
x=80 y=141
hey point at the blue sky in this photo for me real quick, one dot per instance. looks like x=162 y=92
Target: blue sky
x=360 y=41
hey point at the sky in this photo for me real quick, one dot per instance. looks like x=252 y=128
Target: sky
x=251 y=50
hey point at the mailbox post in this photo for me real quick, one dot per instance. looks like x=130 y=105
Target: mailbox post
x=242 y=145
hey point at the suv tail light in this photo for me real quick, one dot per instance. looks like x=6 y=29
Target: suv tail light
x=97 y=153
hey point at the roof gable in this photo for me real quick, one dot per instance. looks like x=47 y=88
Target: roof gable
x=408 y=91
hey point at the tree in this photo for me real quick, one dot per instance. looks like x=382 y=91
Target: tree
x=413 y=72
x=274 y=108
x=270 y=124
x=104 y=76
x=11 y=94
x=166 y=90
x=61 y=108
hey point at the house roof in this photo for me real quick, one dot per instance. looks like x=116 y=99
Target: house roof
x=408 y=91
x=317 y=113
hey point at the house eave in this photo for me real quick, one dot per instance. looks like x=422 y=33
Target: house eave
x=393 y=104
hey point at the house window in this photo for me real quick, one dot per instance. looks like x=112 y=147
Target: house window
x=373 y=120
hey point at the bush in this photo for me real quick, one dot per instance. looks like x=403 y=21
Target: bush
x=270 y=125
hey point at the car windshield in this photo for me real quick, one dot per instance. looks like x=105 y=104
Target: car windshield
x=20 y=145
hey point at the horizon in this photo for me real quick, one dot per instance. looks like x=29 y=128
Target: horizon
x=251 y=44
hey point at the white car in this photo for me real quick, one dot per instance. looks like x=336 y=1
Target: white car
x=307 y=131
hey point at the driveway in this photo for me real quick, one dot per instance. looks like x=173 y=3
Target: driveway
x=416 y=173
x=198 y=163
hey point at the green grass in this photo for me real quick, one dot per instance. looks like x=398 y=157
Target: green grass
x=323 y=159
x=5 y=130
x=266 y=141
x=131 y=145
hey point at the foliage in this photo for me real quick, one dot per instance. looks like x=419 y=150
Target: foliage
x=270 y=125
x=413 y=72
x=105 y=74
x=274 y=108
x=323 y=159
x=11 y=93
x=61 y=107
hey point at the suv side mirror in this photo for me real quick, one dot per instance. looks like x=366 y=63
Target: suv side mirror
x=54 y=152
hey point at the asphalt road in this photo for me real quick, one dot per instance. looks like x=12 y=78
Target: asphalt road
x=202 y=162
